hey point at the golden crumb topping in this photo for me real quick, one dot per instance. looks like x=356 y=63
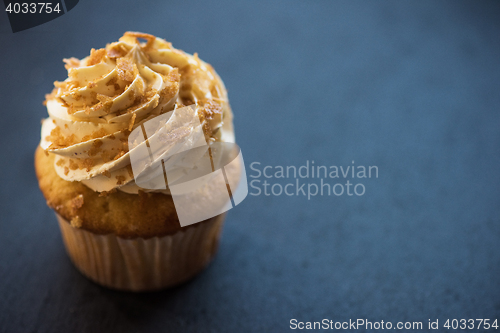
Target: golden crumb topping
x=114 y=90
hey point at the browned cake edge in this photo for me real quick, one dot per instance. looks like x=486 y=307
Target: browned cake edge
x=126 y=215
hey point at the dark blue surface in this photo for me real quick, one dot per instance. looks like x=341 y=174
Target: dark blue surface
x=412 y=87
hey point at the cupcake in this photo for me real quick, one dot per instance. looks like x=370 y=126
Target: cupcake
x=118 y=232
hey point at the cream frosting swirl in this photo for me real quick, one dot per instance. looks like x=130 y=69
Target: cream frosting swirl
x=114 y=90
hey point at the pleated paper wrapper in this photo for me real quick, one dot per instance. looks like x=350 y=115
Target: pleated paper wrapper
x=137 y=264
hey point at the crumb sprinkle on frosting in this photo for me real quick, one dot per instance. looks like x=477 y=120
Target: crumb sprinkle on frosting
x=116 y=89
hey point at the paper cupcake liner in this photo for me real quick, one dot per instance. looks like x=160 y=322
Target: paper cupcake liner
x=139 y=264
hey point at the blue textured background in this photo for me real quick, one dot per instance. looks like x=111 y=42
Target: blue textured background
x=412 y=87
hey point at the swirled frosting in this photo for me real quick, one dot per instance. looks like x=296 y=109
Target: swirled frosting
x=114 y=90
